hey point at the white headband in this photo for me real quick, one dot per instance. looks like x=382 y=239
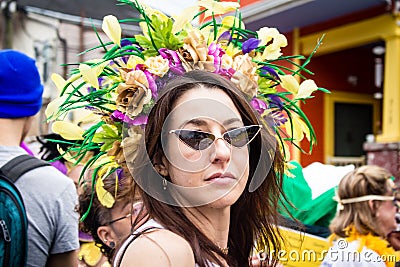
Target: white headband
x=361 y=199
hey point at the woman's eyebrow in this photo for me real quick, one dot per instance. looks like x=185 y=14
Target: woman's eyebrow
x=196 y=122
x=232 y=120
x=203 y=122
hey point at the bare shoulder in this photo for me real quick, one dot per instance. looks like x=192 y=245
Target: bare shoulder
x=159 y=247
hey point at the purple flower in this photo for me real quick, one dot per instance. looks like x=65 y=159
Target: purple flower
x=227 y=73
x=258 y=105
x=217 y=52
x=150 y=79
x=91 y=89
x=139 y=120
x=277 y=117
x=250 y=45
x=126 y=42
x=120 y=174
x=274 y=101
x=117 y=116
x=265 y=71
x=175 y=63
x=225 y=37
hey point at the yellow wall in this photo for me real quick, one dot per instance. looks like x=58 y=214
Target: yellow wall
x=383 y=27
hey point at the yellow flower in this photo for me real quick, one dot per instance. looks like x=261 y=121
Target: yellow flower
x=106 y=161
x=59 y=81
x=297 y=128
x=289 y=166
x=232 y=51
x=86 y=116
x=105 y=197
x=290 y=83
x=112 y=29
x=300 y=91
x=52 y=109
x=273 y=50
x=307 y=87
x=157 y=65
x=372 y=242
x=90 y=73
x=67 y=155
x=90 y=253
x=133 y=61
x=68 y=131
x=229 y=21
x=217 y=8
x=185 y=17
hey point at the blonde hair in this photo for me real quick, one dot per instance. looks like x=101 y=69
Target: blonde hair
x=363 y=181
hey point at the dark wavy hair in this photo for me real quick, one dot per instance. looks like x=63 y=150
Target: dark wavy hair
x=98 y=214
x=254 y=216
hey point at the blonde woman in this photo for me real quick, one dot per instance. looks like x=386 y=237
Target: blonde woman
x=367 y=209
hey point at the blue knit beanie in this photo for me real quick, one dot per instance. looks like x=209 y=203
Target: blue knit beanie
x=20 y=87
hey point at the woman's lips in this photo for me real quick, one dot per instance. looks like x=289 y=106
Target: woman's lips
x=221 y=178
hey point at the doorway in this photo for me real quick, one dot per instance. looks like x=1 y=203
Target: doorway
x=352 y=124
x=349 y=117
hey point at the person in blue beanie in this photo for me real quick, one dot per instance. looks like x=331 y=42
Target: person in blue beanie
x=49 y=196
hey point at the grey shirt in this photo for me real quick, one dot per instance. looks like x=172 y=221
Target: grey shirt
x=50 y=199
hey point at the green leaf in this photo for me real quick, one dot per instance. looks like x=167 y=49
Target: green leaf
x=107 y=136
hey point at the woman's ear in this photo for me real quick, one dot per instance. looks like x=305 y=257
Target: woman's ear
x=161 y=167
x=106 y=235
x=372 y=206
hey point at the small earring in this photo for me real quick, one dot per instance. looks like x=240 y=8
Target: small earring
x=164 y=183
x=105 y=241
x=112 y=244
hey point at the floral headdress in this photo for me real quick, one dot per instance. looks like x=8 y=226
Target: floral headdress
x=122 y=86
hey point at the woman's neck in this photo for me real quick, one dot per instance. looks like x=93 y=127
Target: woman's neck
x=213 y=222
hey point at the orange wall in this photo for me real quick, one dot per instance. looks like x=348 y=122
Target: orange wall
x=332 y=72
x=314 y=109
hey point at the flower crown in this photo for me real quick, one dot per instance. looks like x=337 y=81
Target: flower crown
x=123 y=85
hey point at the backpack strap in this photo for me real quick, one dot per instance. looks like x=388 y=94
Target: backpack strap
x=19 y=165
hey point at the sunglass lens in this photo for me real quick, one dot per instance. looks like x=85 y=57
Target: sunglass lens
x=241 y=136
x=195 y=139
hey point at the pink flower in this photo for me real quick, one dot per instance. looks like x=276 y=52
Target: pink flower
x=258 y=105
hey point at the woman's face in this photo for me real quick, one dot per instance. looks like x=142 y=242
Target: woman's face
x=216 y=174
x=124 y=213
x=386 y=213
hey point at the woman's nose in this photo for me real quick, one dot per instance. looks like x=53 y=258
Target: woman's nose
x=222 y=150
